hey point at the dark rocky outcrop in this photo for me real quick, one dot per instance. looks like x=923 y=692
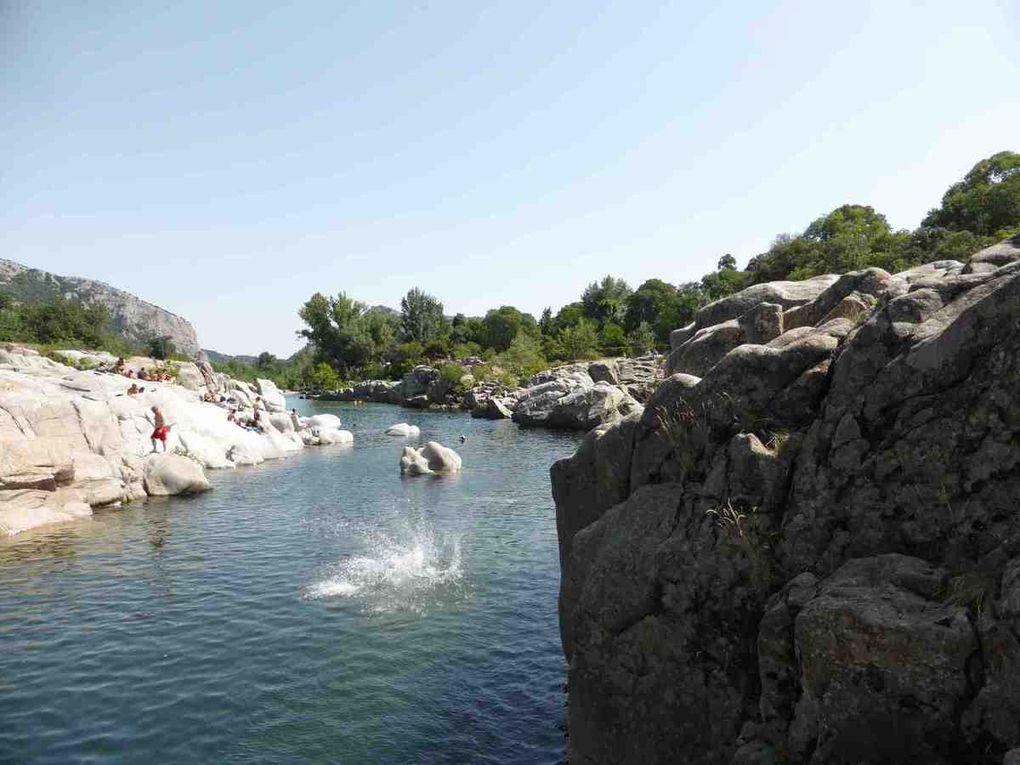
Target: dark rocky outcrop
x=809 y=551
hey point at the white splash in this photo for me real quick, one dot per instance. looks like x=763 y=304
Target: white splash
x=396 y=576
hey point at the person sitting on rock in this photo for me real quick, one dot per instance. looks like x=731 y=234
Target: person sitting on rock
x=232 y=416
x=295 y=419
x=160 y=429
x=133 y=390
x=143 y=374
x=119 y=366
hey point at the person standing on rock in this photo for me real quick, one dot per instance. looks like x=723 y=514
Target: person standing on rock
x=160 y=429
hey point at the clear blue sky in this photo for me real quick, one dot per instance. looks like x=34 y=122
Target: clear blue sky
x=226 y=160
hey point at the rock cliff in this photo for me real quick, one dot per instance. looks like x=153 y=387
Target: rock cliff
x=137 y=320
x=806 y=547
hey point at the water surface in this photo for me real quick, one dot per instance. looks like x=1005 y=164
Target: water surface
x=316 y=609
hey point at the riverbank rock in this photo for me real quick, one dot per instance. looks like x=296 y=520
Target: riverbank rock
x=271 y=396
x=403 y=430
x=170 y=474
x=71 y=437
x=808 y=551
x=573 y=401
x=431 y=458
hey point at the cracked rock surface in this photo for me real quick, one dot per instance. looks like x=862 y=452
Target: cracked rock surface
x=806 y=547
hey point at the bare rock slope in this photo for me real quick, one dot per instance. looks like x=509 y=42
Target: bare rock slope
x=137 y=320
x=806 y=548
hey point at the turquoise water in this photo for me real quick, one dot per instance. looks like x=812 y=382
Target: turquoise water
x=316 y=609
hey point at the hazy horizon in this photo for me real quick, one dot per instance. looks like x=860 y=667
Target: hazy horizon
x=226 y=162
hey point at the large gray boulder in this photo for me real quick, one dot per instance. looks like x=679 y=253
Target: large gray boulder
x=809 y=553
x=572 y=402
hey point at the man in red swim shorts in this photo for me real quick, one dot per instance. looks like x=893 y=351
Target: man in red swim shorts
x=160 y=429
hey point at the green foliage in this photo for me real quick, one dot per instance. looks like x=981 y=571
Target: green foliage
x=160 y=348
x=641 y=340
x=849 y=238
x=579 y=342
x=323 y=377
x=344 y=333
x=612 y=340
x=502 y=325
x=59 y=321
x=524 y=357
x=606 y=301
x=403 y=357
x=657 y=305
x=986 y=202
x=421 y=317
x=451 y=375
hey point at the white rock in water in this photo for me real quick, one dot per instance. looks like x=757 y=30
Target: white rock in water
x=431 y=458
x=412 y=463
x=403 y=430
x=334 y=436
x=169 y=474
x=323 y=421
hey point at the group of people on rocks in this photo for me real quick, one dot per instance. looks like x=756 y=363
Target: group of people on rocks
x=155 y=375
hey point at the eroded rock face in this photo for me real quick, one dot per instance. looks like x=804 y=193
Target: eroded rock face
x=808 y=552
x=137 y=320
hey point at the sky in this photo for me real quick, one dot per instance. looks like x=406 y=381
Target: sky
x=226 y=160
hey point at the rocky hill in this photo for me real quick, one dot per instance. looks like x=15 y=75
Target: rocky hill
x=134 y=318
x=806 y=547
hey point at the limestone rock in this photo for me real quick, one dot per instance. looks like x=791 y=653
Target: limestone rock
x=170 y=474
x=403 y=430
x=271 y=395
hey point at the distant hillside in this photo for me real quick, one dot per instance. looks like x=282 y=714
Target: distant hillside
x=135 y=319
x=225 y=358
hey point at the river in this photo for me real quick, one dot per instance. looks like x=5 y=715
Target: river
x=316 y=609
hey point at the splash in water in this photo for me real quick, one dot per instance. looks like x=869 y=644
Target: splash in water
x=394 y=576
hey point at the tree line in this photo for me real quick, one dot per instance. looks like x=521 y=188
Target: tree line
x=348 y=340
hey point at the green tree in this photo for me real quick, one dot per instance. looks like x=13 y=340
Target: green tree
x=580 y=341
x=545 y=323
x=523 y=357
x=504 y=324
x=266 y=360
x=656 y=304
x=323 y=377
x=612 y=339
x=986 y=202
x=161 y=347
x=641 y=340
x=606 y=300
x=343 y=334
x=421 y=317
x=850 y=237
x=61 y=321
